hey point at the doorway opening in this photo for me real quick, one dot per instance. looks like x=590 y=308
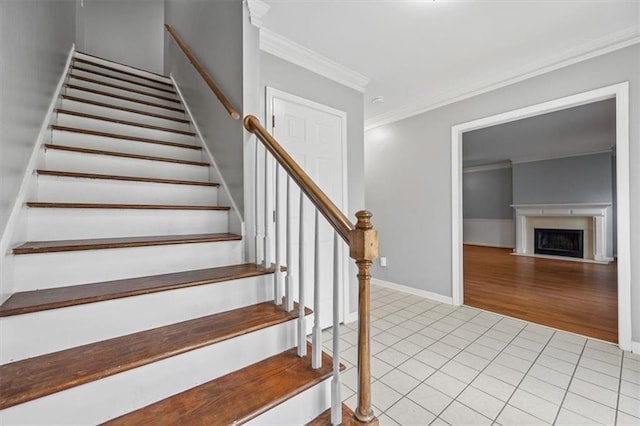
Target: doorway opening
x=527 y=213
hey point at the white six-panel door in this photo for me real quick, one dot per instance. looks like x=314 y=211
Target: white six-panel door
x=315 y=136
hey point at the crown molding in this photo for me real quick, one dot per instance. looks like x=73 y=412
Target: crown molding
x=288 y=50
x=257 y=10
x=487 y=167
x=559 y=156
x=612 y=42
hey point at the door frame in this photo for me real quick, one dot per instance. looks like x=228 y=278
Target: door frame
x=619 y=92
x=270 y=95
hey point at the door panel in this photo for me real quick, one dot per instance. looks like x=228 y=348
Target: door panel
x=314 y=139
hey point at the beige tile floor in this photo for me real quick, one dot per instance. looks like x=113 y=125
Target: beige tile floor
x=437 y=364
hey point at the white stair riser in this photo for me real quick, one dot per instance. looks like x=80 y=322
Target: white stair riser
x=86 y=266
x=61 y=137
x=300 y=409
x=70 y=190
x=98 y=401
x=48 y=224
x=123 y=103
x=118 y=66
x=119 y=114
x=38 y=333
x=119 y=80
x=110 y=165
x=122 y=92
x=69 y=120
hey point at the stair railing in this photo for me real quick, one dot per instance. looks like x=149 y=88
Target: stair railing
x=362 y=241
x=205 y=76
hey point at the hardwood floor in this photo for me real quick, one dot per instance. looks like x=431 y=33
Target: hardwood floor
x=573 y=296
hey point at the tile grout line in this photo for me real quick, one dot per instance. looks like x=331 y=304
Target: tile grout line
x=615 y=418
x=466 y=321
x=451 y=358
x=523 y=377
x=481 y=371
x=566 y=391
x=426 y=347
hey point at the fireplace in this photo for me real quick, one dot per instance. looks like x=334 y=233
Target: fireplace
x=559 y=242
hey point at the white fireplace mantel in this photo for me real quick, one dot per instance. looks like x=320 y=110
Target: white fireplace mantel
x=597 y=211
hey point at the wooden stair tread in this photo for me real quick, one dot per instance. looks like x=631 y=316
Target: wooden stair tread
x=135 y=111
x=128 y=123
x=95 y=64
x=324 y=419
x=120 y=242
x=237 y=397
x=124 y=154
x=124 y=137
x=124 y=98
x=53 y=298
x=58 y=205
x=115 y=77
x=127 y=89
x=35 y=377
x=123 y=178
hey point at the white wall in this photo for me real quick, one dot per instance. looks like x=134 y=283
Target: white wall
x=125 y=31
x=35 y=40
x=408 y=171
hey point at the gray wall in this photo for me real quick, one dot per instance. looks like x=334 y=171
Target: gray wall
x=125 y=31
x=408 y=173
x=487 y=194
x=35 y=41
x=583 y=179
x=296 y=80
x=213 y=30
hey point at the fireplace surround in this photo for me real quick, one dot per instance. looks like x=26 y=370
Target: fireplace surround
x=589 y=218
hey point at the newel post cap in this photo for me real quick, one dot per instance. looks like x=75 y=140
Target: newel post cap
x=364 y=239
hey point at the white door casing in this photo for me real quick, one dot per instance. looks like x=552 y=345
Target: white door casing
x=619 y=92
x=315 y=137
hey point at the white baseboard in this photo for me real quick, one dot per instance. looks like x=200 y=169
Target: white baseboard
x=489 y=232
x=635 y=347
x=236 y=224
x=351 y=317
x=416 y=292
x=12 y=228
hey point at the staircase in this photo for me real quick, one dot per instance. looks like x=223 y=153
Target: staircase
x=132 y=303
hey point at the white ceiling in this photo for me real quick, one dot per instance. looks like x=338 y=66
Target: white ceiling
x=421 y=54
x=575 y=131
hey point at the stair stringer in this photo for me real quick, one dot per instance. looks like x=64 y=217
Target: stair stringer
x=236 y=222
x=15 y=231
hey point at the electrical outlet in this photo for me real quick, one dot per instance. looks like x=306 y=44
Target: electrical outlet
x=383 y=261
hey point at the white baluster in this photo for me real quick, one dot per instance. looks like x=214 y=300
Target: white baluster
x=336 y=399
x=268 y=210
x=302 y=324
x=316 y=339
x=277 y=278
x=290 y=280
x=258 y=240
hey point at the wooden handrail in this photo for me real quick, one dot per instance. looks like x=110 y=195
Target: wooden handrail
x=203 y=73
x=362 y=240
x=325 y=206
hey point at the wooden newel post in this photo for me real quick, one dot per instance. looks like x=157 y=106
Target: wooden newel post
x=364 y=248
